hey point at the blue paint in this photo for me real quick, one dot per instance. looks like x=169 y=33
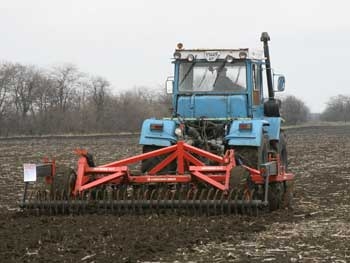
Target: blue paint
x=253 y=137
x=273 y=130
x=214 y=106
x=166 y=137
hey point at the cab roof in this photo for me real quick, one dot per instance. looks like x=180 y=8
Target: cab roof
x=216 y=54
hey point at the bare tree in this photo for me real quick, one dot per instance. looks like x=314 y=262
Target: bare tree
x=6 y=77
x=44 y=92
x=98 y=91
x=24 y=84
x=67 y=79
x=294 y=110
x=338 y=109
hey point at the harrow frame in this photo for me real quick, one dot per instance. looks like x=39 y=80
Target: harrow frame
x=189 y=169
x=193 y=165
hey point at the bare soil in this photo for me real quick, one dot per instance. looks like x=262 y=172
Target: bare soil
x=316 y=230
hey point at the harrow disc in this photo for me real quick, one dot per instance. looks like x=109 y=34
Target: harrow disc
x=131 y=200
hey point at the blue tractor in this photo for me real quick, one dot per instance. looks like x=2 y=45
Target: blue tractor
x=219 y=103
x=222 y=150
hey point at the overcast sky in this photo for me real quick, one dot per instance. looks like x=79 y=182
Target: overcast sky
x=131 y=42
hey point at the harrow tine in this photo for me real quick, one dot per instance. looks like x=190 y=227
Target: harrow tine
x=132 y=201
x=222 y=200
x=229 y=198
x=181 y=200
x=123 y=194
x=75 y=203
x=97 y=201
x=139 y=198
x=214 y=199
x=65 y=203
x=49 y=200
x=194 y=198
x=151 y=200
x=179 y=206
x=118 y=198
x=86 y=197
x=110 y=201
x=54 y=203
x=158 y=195
x=37 y=203
x=183 y=206
x=72 y=204
x=169 y=198
x=235 y=203
x=243 y=206
x=208 y=199
x=47 y=204
x=146 y=196
x=159 y=198
x=105 y=204
x=188 y=203
x=256 y=210
x=172 y=193
x=163 y=200
x=201 y=195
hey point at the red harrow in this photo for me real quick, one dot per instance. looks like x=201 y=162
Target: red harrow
x=203 y=182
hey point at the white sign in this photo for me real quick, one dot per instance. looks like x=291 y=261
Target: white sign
x=212 y=55
x=29 y=172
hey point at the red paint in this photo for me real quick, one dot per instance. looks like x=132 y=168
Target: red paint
x=189 y=169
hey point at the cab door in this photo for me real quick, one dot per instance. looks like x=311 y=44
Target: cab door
x=257 y=91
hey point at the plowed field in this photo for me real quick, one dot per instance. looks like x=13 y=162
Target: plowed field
x=316 y=230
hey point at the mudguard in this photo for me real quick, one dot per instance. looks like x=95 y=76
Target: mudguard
x=273 y=130
x=247 y=137
x=164 y=136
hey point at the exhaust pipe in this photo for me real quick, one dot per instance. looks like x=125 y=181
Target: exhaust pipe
x=271 y=107
x=265 y=38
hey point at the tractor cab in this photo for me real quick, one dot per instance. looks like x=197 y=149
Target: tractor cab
x=223 y=83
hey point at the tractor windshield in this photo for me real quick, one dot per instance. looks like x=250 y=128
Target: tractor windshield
x=212 y=76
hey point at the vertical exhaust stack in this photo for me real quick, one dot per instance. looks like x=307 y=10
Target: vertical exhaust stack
x=265 y=38
x=271 y=107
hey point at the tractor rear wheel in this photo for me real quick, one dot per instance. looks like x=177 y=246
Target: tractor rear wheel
x=253 y=156
x=282 y=150
x=275 y=196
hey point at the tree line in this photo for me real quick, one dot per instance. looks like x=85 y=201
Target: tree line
x=338 y=109
x=295 y=111
x=62 y=99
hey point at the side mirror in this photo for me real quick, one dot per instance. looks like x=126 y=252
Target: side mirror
x=281 y=81
x=169 y=85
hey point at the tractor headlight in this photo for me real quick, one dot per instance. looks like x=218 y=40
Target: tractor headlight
x=242 y=55
x=229 y=59
x=178 y=132
x=177 y=55
x=190 y=57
